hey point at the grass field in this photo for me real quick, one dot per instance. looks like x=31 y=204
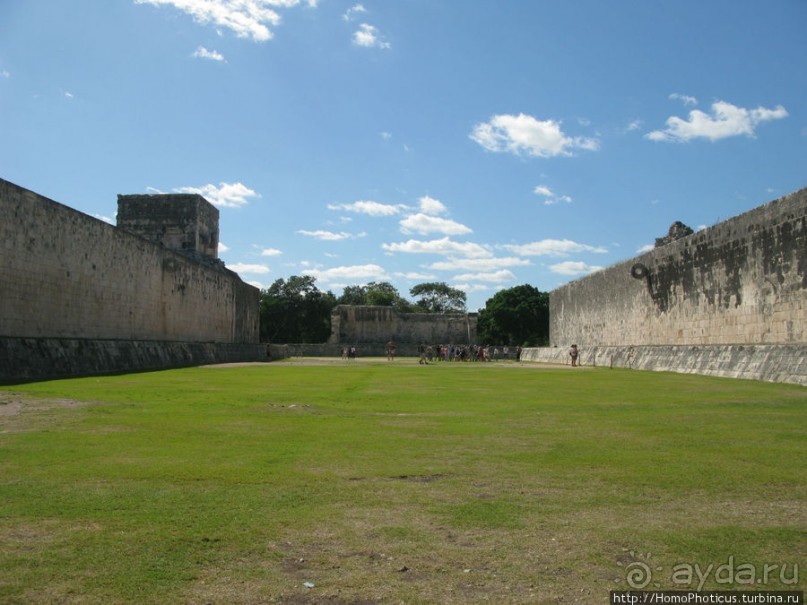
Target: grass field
x=378 y=482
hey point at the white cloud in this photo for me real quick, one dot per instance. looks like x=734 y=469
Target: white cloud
x=203 y=53
x=431 y=206
x=354 y=10
x=726 y=120
x=549 y=197
x=227 y=195
x=386 y=135
x=369 y=208
x=498 y=277
x=368 y=36
x=685 y=99
x=4 y=73
x=469 y=288
x=68 y=95
x=330 y=236
x=223 y=248
x=634 y=125
x=424 y=224
x=526 y=134
x=250 y=269
x=570 y=267
x=645 y=248
x=245 y=18
x=552 y=247
x=444 y=246
x=478 y=264
x=357 y=273
x=271 y=252
x=414 y=275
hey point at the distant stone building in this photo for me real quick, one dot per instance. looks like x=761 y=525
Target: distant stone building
x=374 y=324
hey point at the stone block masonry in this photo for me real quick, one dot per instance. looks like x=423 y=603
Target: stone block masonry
x=66 y=275
x=365 y=324
x=743 y=281
x=730 y=300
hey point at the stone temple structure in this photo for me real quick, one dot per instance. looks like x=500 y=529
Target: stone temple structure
x=81 y=297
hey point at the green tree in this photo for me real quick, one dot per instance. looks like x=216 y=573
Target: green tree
x=296 y=311
x=382 y=294
x=353 y=295
x=438 y=297
x=516 y=316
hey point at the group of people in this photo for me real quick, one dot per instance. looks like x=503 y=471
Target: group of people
x=450 y=352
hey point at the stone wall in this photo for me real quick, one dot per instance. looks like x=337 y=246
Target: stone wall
x=741 y=282
x=66 y=275
x=29 y=359
x=771 y=363
x=353 y=325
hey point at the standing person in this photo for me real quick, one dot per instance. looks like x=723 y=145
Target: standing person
x=422 y=351
x=390 y=350
x=573 y=353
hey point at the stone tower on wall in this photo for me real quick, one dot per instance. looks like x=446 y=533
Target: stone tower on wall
x=185 y=223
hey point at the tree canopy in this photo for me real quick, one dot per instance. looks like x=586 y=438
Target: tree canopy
x=438 y=297
x=296 y=311
x=382 y=294
x=516 y=316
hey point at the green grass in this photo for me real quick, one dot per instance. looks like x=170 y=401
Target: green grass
x=381 y=482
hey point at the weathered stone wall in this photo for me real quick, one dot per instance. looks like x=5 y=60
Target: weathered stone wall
x=771 y=363
x=67 y=275
x=743 y=281
x=29 y=359
x=185 y=223
x=370 y=324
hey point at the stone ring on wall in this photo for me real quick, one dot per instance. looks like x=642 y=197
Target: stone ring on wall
x=639 y=271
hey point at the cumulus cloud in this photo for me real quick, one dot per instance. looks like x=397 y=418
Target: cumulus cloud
x=574 y=268
x=549 y=197
x=524 y=134
x=498 y=277
x=444 y=246
x=685 y=99
x=245 y=18
x=429 y=205
x=726 y=120
x=414 y=275
x=249 y=269
x=369 y=208
x=203 y=53
x=354 y=10
x=349 y=274
x=478 y=264
x=227 y=195
x=271 y=252
x=552 y=247
x=330 y=236
x=368 y=36
x=425 y=224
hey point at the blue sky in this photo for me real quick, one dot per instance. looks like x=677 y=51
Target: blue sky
x=483 y=143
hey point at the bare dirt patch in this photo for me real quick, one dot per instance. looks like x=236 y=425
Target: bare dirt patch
x=19 y=413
